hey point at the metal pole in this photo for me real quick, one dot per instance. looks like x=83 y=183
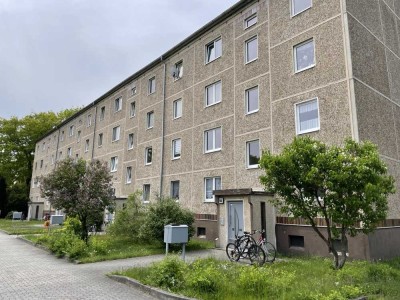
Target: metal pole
x=183 y=251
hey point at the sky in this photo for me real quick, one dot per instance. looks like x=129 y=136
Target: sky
x=59 y=54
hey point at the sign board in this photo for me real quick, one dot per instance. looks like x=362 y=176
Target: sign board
x=56 y=219
x=17 y=215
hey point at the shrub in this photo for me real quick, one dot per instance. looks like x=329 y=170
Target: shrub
x=169 y=273
x=165 y=211
x=205 y=276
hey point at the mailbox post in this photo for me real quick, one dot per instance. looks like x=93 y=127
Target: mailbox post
x=176 y=234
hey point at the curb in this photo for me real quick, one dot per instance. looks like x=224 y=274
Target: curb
x=158 y=293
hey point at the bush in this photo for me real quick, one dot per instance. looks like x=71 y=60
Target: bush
x=169 y=273
x=128 y=220
x=205 y=276
x=165 y=211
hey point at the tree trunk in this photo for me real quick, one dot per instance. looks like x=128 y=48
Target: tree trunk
x=339 y=251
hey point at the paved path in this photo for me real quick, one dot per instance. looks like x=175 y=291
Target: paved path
x=27 y=272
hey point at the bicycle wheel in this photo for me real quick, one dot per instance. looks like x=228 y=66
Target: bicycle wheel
x=257 y=255
x=270 y=251
x=232 y=252
x=244 y=244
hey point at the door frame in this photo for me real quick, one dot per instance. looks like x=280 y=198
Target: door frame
x=228 y=216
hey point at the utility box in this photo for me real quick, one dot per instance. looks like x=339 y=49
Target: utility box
x=176 y=234
x=56 y=219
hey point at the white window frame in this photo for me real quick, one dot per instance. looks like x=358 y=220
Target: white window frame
x=175 y=110
x=71 y=130
x=295 y=56
x=246 y=97
x=248 y=165
x=79 y=136
x=293 y=13
x=252 y=17
x=133 y=90
x=175 y=154
x=116 y=133
x=214 y=149
x=131 y=142
x=102 y=113
x=151 y=89
x=87 y=142
x=146 y=199
x=118 y=104
x=297 y=116
x=114 y=164
x=213 y=187
x=213 y=44
x=89 y=120
x=128 y=175
x=178 y=72
x=246 y=44
x=147 y=150
x=150 y=120
x=132 y=109
x=213 y=86
x=69 y=151
x=100 y=140
x=172 y=189
x=62 y=136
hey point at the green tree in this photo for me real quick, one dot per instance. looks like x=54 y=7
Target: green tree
x=82 y=189
x=346 y=186
x=3 y=197
x=17 y=144
x=163 y=212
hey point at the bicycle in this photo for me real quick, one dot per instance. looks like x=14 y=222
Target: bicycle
x=269 y=249
x=246 y=247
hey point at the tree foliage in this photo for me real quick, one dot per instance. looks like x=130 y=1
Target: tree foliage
x=346 y=186
x=82 y=189
x=17 y=147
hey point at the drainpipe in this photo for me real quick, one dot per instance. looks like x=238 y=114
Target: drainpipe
x=251 y=213
x=162 y=127
x=94 y=130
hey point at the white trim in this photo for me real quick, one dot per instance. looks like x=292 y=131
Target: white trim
x=298 y=132
x=204 y=140
x=145 y=156
x=248 y=166
x=173 y=108
x=295 y=56
x=246 y=107
x=173 y=149
x=215 y=50
x=213 y=85
x=292 y=14
x=149 y=92
x=245 y=26
x=254 y=38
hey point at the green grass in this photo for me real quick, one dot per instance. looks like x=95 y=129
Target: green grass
x=106 y=247
x=22 y=227
x=297 y=278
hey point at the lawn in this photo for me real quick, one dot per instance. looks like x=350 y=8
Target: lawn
x=22 y=227
x=106 y=247
x=291 y=278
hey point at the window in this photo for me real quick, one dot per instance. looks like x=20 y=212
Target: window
x=177 y=108
x=102 y=113
x=213 y=50
x=307 y=116
x=118 y=104
x=76 y=157
x=133 y=90
x=41 y=163
x=296 y=241
x=299 y=6
x=128 y=174
x=146 y=192
x=213 y=93
x=43 y=146
x=211 y=184
x=212 y=140
x=176 y=149
x=52 y=159
x=152 y=85
x=175 y=189
x=304 y=56
x=150 y=119
x=69 y=151
x=79 y=136
x=86 y=145
x=100 y=140
x=252 y=154
x=130 y=141
x=62 y=136
x=132 y=109
x=250 y=21
x=71 y=130
x=114 y=164
x=148 y=155
x=60 y=155
x=178 y=72
x=251 y=49
x=89 y=121
x=252 y=100
x=116 y=133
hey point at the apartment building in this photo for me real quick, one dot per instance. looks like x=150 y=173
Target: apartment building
x=192 y=124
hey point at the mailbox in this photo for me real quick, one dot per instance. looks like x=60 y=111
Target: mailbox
x=56 y=219
x=176 y=234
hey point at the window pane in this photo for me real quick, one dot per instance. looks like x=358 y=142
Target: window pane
x=252 y=99
x=210 y=52
x=251 y=50
x=217 y=183
x=149 y=154
x=176 y=148
x=209 y=188
x=300 y=5
x=209 y=140
x=251 y=21
x=218 y=92
x=308 y=115
x=175 y=189
x=304 y=55
x=218 y=138
x=132 y=110
x=218 y=48
x=210 y=94
x=253 y=150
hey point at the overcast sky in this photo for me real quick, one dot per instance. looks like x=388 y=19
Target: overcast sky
x=58 y=54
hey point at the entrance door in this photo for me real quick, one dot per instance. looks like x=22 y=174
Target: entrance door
x=37 y=212
x=235 y=221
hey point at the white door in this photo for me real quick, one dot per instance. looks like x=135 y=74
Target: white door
x=235 y=219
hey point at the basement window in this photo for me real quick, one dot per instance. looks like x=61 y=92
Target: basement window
x=296 y=241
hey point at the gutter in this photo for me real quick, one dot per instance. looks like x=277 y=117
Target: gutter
x=163 y=128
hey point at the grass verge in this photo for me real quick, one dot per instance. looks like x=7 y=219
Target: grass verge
x=299 y=278
x=22 y=227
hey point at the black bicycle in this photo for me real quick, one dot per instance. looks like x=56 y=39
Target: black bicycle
x=246 y=247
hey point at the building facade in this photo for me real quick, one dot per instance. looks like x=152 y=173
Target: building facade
x=197 y=119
